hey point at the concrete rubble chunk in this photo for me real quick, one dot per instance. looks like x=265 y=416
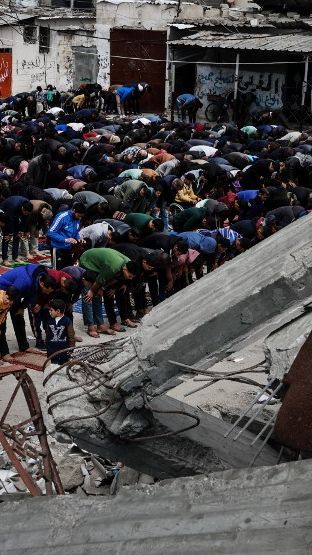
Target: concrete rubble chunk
x=146 y=479
x=281 y=347
x=125 y=477
x=202 y=323
x=4 y=462
x=69 y=468
x=133 y=425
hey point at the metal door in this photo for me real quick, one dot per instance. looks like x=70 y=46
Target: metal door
x=137 y=51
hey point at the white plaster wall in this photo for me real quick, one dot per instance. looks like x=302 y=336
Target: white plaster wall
x=102 y=32
x=139 y=15
x=31 y=68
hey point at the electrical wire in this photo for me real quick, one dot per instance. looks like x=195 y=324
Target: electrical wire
x=95 y=37
x=72 y=49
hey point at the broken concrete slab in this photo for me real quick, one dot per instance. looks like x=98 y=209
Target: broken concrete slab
x=203 y=320
x=228 y=398
x=159 y=456
x=69 y=468
x=211 y=432
x=237 y=512
x=206 y=316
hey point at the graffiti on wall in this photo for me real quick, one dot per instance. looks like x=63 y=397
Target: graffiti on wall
x=36 y=69
x=103 y=74
x=267 y=87
x=5 y=74
x=68 y=70
x=38 y=64
x=4 y=70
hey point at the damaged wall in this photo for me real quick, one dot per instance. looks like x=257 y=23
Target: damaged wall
x=56 y=64
x=154 y=16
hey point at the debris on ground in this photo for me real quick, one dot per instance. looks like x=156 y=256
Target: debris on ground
x=80 y=472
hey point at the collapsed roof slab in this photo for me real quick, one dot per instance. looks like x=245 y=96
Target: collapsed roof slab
x=230 y=302
x=199 y=322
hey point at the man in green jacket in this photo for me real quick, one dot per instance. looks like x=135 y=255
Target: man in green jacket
x=105 y=267
x=143 y=222
x=190 y=219
x=196 y=218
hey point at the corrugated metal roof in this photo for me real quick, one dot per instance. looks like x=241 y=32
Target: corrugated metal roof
x=42 y=14
x=242 y=25
x=294 y=42
x=9 y=19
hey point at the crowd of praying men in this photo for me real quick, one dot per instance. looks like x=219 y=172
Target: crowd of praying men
x=132 y=210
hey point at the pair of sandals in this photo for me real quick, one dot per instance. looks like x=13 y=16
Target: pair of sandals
x=95 y=331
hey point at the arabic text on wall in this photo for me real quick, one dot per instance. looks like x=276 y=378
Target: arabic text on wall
x=267 y=87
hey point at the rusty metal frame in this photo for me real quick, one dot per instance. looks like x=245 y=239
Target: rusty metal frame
x=14 y=437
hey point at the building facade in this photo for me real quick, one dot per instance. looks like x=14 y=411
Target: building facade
x=56 y=47
x=132 y=44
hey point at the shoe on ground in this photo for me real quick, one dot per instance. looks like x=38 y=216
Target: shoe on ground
x=40 y=345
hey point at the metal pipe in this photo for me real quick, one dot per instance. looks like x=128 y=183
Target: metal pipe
x=249 y=407
x=172 y=71
x=305 y=81
x=265 y=441
x=236 y=77
x=263 y=429
x=260 y=409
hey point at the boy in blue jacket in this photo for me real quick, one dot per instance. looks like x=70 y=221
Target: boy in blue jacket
x=60 y=332
x=30 y=281
x=64 y=233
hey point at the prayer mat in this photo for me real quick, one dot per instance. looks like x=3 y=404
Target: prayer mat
x=30 y=359
x=21 y=263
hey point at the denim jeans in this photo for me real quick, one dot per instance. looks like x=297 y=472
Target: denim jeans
x=92 y=312
x=163 y=214
x=15 y=246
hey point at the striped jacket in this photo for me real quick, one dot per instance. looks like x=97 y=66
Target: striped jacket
x=64 y=226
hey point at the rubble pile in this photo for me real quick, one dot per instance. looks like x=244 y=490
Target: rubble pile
x=87 y=474
x=11 y=482
x=80 y=473
x=103 y=393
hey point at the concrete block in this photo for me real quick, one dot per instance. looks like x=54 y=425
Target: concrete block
x=260 y=511
x=70 y=472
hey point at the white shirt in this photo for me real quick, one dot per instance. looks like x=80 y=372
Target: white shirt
x=209 y=151
x=54 y=111
x=76 y=126
x=95 y=232
x=144 y=121
x=292 y=136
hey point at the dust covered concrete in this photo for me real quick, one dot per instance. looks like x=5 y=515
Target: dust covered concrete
x=199 y=325
x=238 y=512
